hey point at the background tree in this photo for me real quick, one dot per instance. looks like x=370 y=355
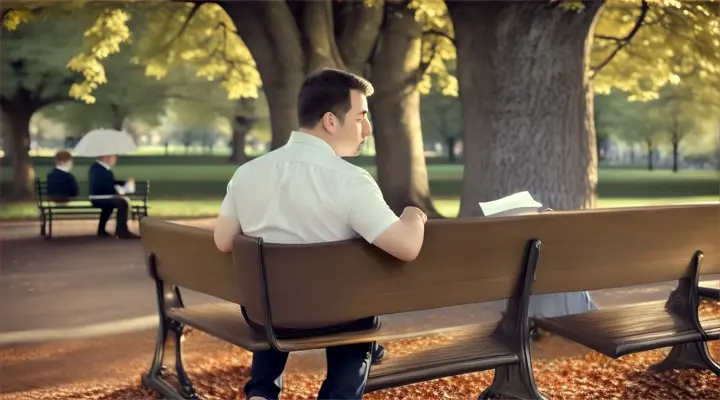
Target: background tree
x=285 y=40
x=408 y=53
x=129 y=93
x=33 y=76
x=441 y=120
x=679 y=117
x=526 y=102
x=543 y=139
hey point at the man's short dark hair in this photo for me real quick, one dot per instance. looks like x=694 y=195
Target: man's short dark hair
x=328 y=90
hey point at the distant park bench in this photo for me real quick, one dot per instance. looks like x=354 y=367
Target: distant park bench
x=463 y=261
x=49 y=210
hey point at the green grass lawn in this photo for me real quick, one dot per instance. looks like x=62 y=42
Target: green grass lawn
x=196 y=190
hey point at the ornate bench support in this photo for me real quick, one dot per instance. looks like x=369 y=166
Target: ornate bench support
x=684 y=300
x=167 y=297
x=517 y=381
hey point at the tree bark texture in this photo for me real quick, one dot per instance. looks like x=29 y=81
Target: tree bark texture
x=526 y=102
x=289 y=41
x=395 y=107
x=269 y=30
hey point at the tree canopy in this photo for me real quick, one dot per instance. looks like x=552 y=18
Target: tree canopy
x=638 y=47
x=650 y=43
x=201 y=35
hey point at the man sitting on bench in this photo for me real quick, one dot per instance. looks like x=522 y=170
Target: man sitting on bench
x=107 y=194
x=304 y=192
x=61 y=183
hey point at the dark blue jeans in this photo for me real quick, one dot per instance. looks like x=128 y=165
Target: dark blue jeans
x=347 y=372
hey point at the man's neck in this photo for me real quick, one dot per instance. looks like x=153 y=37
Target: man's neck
x=324 y=136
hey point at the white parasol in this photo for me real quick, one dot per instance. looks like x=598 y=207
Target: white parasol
x=104 y=142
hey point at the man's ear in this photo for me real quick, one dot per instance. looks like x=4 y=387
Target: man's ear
x=329 y=122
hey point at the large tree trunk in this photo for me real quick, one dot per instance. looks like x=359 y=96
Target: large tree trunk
x=359 y=29
x=269 y=30
x=18 y=143
x=526 y=102
x=402 y=174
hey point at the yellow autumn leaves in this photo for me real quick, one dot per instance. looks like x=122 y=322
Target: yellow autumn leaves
x=678 y=41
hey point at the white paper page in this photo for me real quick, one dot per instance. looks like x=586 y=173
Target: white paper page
x=516 y=204
x=129 y=186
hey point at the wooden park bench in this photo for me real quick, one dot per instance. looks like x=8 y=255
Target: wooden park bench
x=49 y=209
x=463 y=261
x=654 y=245
x=297 y=286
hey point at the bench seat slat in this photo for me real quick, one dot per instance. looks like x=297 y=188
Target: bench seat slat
x=712 y=328
x=469 y=348
x=222 y=320
x=710 y=293
x=622 y=330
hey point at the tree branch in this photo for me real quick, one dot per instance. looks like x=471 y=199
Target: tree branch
x=622 y=43
x=436 y=32
x=196 y=6
x=423 y=67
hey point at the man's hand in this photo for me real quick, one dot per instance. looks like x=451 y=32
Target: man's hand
x=130 y=180
x=409 y=213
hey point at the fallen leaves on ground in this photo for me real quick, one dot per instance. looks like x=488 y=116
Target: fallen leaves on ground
x=221 y=374
x=592 y=376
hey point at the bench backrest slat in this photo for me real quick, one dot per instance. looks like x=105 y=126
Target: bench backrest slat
x=461 y=262
x=601 y=249
x=142 y=188
x=186 y=256
x=474 y=260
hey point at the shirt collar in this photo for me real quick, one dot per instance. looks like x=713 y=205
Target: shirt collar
x=107 y=167
x=63 y=168
x=297 y=137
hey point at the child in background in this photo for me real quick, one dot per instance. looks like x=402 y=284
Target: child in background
x=61 y=184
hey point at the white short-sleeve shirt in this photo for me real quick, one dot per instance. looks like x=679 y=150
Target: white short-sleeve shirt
x=304 y=193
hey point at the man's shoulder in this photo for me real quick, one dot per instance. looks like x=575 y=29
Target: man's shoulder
x=256 y=163
x=348 y=170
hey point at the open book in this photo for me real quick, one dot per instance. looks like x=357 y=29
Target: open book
x=520 y=203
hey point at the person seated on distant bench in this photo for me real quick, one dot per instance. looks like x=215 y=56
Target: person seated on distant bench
x=107 y=194
x=61 y=184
